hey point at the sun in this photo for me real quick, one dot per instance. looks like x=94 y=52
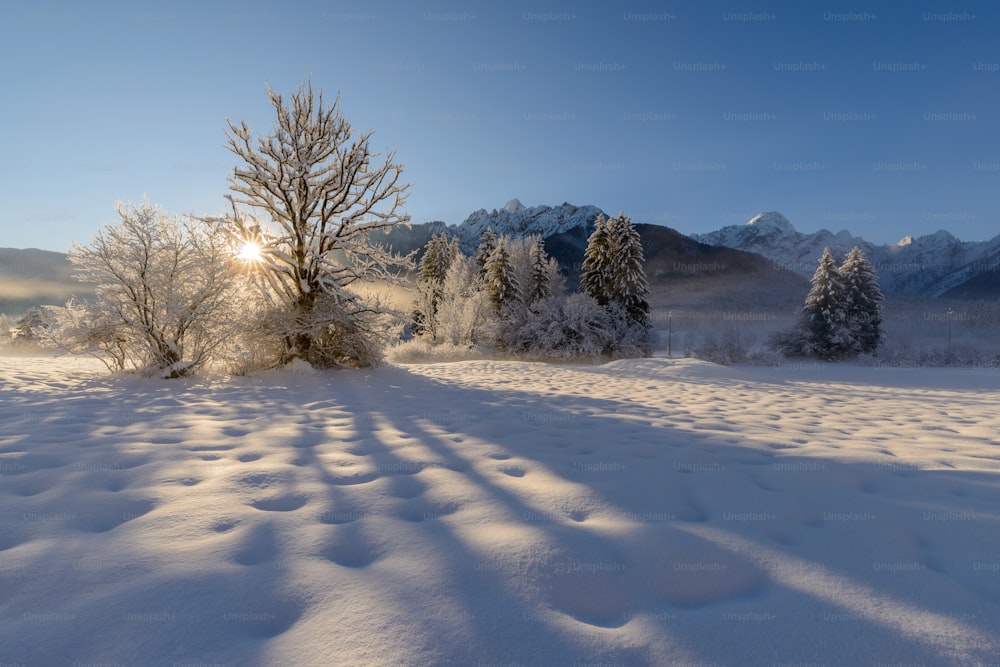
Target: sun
x=250 y=252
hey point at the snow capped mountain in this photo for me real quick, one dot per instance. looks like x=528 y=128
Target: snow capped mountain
x=514 y=206
x=770 y=222
x=928 y=265
x=516 y=219
x=771 y=235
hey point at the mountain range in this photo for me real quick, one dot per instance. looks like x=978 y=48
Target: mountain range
x=933 y=265
x=683 y=273
x=764 y=264
x=514 y=219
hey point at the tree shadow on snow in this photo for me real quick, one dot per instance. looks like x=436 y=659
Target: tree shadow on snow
x=448 y=524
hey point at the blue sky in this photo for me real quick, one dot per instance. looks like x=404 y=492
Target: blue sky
x=881 y=118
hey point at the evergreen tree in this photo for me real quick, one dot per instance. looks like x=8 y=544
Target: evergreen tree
x=613 y=276
x=540 y=287
x=627 y=279
x=612 y=266
x=597 y=263
x=499 y=280
x=430 y=279
x=862 y=302
x=487 y=244
x=437 y=257
x=824 y=316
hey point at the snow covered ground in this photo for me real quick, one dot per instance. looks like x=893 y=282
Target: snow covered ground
x=644 y=512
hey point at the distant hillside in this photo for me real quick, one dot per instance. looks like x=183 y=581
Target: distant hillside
x=406 y=240
x=684 y=273
x=984 y=285
x=31 y=278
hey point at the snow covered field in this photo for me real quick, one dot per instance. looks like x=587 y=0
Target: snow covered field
x=645 y=512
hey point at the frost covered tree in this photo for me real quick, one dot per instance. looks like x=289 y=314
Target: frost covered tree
x=438 y=254
x=862 y=302
x=500 y=282
x=597 y=263
x=613 y=276
x=842 y=314
x=323 y=197
x=827 y=333
x=612 y=266
x=463 y=309
x=537 y=275
x=626 y=283
x=161 y=295
x=561 y=328
x=487 y=244
x=29 y=329
x=542 y=274
x=434 y=263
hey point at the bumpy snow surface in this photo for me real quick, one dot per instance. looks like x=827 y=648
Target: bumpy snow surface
x=649 y=512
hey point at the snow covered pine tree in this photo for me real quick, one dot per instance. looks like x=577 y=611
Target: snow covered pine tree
x=862 y=302
x=499 y=281
x=613 y=276
x=597 y=263
x=827 y=334
x=542 y=273
x=438 y=254
x=627 y=279
x=487 y=244
x=320 y=187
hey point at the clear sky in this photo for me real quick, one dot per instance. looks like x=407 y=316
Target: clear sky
x=878 y=117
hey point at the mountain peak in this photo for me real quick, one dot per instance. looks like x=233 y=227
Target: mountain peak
x=514 y=205
x=516 y=219
x=771 y=220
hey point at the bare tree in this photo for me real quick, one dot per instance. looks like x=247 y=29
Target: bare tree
x=162 y=286
x=322 y=198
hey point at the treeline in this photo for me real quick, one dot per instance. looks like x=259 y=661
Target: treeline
x=510 y=298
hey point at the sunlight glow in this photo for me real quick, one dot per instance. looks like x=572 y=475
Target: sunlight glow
x=250 y=252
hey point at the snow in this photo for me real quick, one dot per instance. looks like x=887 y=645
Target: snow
x=771 y=222
x=654 y=511
x=514 y=206
x=515 y=219
x=929 y=265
